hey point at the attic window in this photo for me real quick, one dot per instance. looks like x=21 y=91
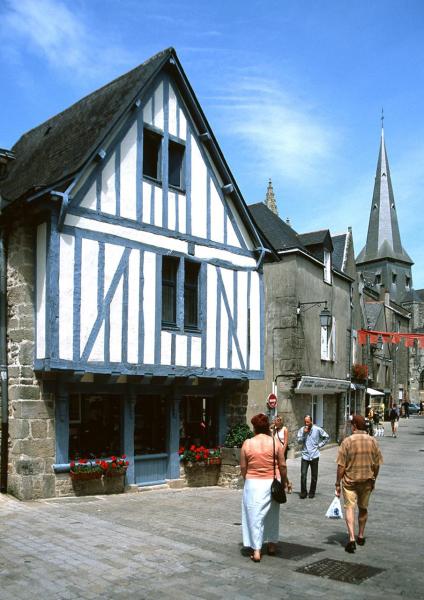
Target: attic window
x=175 y=164
x=394 y=277
x=152 y=143
x=407 y=282
x=378 y=279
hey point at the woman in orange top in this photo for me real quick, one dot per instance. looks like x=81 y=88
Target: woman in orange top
x=260 y=513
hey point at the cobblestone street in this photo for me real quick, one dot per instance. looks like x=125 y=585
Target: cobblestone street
x=187 y=543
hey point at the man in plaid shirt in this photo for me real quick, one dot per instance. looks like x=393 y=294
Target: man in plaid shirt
x=358 y=464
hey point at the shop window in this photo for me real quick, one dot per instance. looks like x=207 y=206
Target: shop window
x=151 y=425
x=198 y=422
x=152 y=143
x=175 y=164
x=169 y=291
x=421 y=383
x=94 y=426
x=191 y=295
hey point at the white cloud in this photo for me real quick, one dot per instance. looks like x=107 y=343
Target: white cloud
x=60 y=34
x=283 y=135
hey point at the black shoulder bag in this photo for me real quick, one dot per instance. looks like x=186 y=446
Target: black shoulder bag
x=277 y=489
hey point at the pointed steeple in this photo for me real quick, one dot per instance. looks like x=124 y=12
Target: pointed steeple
x=383 y=239
x=270 y=198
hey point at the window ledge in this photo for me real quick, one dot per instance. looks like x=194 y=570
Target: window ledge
x=150 y=179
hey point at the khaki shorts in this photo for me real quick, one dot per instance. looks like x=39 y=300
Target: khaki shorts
x=358 y=494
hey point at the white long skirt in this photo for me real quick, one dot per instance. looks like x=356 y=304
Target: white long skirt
x=259 y=514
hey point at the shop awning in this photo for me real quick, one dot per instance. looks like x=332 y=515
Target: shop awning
x=372 y=392
x=357 y=386
x=321 y=385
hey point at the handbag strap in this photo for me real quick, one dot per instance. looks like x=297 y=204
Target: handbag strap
x=273 y=446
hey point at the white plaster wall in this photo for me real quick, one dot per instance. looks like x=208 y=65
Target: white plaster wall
x=255 y=321
x=181 y=350
x=196 y=351
x=66 y=296
x=108 y=194
x=211 y=283
x=133 y=306
x=223 y=349
x=115 y=349
x=90 y=199
x=41 y=290
x=172 y=112
x=165 y=357
x=217 y=215
x=147 y=195
x=198 y=191
x=182 y=213
x=148 y=112
x=158 y=206
x=158 y=117
x=129 y=174
x=183 y=125
x=89 y=271
x=149 y=306
x=242 y=313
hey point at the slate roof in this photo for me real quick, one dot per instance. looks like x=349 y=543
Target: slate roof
x=312 y=238
x=339 y=245
x=414 y=296
x=52 y=152
x=280 y=235
x=372 y=312
x=383 y=238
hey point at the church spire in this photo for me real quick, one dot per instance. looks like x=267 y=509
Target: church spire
x=270 y=198
x=383 y=239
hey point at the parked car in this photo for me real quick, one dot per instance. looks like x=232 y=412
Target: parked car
x=414 y=408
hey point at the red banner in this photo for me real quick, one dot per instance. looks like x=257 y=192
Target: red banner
x=388 y=337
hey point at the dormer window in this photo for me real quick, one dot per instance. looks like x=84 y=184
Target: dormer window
x=407 y=282
x=394 y=278
x=175 y=164
x=327 y=266
x=378 y=279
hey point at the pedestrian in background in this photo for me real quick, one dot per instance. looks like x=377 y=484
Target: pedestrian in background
x=394 y=419
x=358 y=464
x=281 y=435
x=312 y=438
x=260 y=513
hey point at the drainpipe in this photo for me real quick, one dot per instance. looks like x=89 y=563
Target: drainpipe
x=3 y=370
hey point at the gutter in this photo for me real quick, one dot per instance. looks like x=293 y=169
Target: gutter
x=3 y=369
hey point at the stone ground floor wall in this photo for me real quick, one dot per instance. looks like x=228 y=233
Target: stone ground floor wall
x=32 y=451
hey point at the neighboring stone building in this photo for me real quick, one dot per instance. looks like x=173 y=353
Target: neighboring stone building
x=388 y=299
x=134 y=286
x=307 y=365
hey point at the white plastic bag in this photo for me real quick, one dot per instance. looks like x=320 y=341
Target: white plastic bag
x=335 y=509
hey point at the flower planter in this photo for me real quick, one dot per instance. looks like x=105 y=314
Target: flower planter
x=202 y=474
x=114 y=473
x=85 y=476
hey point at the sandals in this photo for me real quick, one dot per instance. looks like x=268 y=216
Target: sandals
x=289 y=487
x=272 y=550
x=350 y=547
x=360 y=540
x=255 y=559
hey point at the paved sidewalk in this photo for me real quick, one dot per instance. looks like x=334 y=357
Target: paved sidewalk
x=186 y=544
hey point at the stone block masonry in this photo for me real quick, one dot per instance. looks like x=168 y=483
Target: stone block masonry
x=31 y=411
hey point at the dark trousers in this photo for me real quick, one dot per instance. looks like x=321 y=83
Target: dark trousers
x=305 y=464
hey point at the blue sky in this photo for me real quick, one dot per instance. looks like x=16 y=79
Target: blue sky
x=293 y=90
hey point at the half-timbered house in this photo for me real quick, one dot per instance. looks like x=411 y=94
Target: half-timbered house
x=135 y=293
